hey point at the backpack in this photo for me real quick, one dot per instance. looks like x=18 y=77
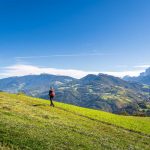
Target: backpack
x=51 y=93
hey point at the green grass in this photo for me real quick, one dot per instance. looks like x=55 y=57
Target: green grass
x=29 y=123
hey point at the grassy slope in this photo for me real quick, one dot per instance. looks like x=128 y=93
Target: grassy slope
x=29 y=123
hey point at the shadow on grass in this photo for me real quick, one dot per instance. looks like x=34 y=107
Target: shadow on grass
x=39 y=105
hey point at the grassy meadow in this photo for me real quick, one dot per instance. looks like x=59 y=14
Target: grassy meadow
x=30 y=123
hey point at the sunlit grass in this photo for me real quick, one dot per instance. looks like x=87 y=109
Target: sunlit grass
x=29 y=123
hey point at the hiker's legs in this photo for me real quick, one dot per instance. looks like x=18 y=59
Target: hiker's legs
x=51 y=100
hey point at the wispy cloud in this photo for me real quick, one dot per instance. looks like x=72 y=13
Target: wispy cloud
x=63 y=55
x=21 y=70
x=142 y=66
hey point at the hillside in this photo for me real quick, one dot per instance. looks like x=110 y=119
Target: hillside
x=103 y=92
x=29 y=123
x=32 y=84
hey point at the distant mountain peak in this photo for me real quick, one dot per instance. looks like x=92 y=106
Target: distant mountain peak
x=146 y=73
x=143 y=78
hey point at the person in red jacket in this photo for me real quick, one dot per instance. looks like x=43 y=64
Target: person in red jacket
x=51 y=96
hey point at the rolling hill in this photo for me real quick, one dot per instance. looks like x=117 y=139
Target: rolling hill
x=30 y=123
x=103 y=92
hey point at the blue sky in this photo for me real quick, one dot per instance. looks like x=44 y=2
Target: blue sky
x=109 y=36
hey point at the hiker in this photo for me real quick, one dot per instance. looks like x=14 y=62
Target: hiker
x=51 y=96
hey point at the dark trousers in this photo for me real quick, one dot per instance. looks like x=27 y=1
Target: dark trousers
x=51 y=101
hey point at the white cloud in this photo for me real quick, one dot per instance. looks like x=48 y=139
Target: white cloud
x=124 y=73
x=21 y=70
x=142 y=66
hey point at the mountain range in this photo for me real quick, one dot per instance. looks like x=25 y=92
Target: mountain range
x=104 y=92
